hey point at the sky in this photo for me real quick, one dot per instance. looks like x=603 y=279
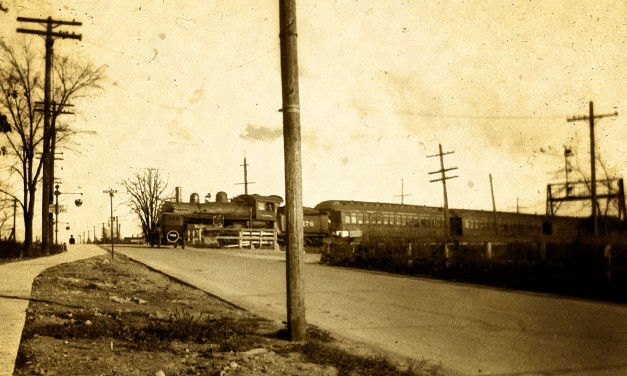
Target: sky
x=193 y=87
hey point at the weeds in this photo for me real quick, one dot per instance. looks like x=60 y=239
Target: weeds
x=351 y=364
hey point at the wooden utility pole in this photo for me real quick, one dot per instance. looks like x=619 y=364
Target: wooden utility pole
x=443 y=178
x=111 y=192
x=246 y=182
x=403 y=194
x=296 y=323
x=13 y=231
x=593 y=183
x=47 y=189
x=496 y=228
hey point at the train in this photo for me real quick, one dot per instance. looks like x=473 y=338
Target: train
x=333 y=220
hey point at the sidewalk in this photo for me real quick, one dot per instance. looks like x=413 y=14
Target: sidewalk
x=16 y=280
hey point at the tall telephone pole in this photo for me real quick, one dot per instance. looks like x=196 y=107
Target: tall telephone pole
x=47 y=191
x=593 y=183
x=443 y=178
x=296 y=324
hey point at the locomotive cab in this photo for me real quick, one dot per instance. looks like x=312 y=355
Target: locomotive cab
x=263 y=209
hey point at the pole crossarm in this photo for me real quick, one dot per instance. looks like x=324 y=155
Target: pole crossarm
x=580 y=118
x=60 y=34
x=49 y=20
x=442 y=179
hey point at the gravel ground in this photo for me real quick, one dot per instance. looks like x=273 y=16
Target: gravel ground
x=103 y=317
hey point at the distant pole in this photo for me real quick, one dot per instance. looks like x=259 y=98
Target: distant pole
x=443 y=178
x=13 y=233
x=245 y=177
x=402 y=195
x=246 y=182
x=56 y=214
x=593 y=183
x=496 y=228
x=296 y=323
x=111 y=192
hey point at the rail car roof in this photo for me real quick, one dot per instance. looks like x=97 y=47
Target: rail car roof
x=271 y=198
x=373 y=206
x=347 y=205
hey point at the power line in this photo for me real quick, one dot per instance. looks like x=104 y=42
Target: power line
x=462 y=116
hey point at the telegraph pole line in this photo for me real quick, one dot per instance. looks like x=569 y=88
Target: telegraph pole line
x=296 y=324
x=443 y=178
x=47 y=191
x=403 y=194
x=246 y=182
x=593 y=185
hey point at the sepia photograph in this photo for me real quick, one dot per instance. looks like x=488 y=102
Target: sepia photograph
x=366 y=187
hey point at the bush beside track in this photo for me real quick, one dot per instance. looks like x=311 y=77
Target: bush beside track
x=589 y=269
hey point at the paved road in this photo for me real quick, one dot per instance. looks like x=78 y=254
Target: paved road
x=470 y=330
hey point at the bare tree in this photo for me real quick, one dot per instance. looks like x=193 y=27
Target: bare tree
x=6 y=214
x=146 y=190
x=21 y=87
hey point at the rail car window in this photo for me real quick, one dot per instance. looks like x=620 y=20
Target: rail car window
x=353 y=218
x=347 y=217
x=360 y=218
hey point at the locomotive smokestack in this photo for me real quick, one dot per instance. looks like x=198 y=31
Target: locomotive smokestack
x=178 y=194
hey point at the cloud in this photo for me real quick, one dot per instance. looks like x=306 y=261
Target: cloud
x=261 y=133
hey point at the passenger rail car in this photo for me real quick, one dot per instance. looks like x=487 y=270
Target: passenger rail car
x=354 y=219
x=244 y=211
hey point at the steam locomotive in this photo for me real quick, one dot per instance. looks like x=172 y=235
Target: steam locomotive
x=213 y=218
